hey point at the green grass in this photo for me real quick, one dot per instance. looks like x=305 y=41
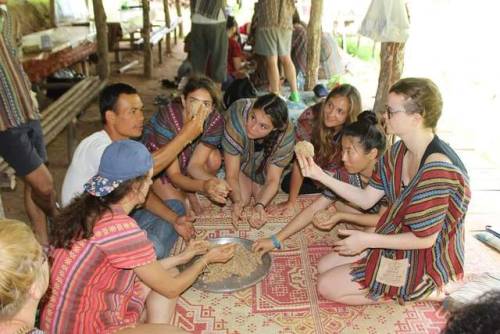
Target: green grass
x=365 y=49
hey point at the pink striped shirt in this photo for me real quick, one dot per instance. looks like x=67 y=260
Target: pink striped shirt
x=93 y=288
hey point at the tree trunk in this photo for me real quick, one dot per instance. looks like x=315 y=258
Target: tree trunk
x=166 y=9
x=146 y=36
x=391 y=67
x=52 y=13
x=179 y=14
x=102 y=39
x=313 y=44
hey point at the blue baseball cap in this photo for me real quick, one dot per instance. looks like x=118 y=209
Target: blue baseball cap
x=121 y=161
x=320 y=90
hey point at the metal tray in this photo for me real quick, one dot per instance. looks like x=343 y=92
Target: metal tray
x=234 y=283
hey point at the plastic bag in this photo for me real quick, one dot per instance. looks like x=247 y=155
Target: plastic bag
x=386 y=21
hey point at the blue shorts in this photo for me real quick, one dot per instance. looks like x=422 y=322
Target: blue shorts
x=160 y=232
x=23 y=147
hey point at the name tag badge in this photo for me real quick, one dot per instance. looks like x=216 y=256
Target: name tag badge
x=392 y=272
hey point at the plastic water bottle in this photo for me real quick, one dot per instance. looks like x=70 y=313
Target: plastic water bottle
x=300 y=81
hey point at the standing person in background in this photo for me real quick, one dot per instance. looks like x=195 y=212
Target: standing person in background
x=21 y=136
x=209 y=39
x=273 y=39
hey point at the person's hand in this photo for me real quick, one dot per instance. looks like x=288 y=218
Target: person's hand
x=194 y=127
x=309 y=168
x=285 y=209
x=195 y=247
x=355 y=243
x=257 y=217
x=220 y=254
x=262 y=246
x=216 y=189
x=183 y=225
x=237 y=214
x=327 y=222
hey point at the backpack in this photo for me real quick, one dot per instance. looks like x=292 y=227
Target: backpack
x=239 y=89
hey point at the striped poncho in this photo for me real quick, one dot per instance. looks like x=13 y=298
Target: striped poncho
x=16 y=105
x=435 y=200
x=236 y=142
x=93 y=287
x=168 y=122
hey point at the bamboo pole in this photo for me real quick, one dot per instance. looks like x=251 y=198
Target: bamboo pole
x=313 y=43
x=179 y=14
x=146 y=36
x=166 y=9
x=102 y=39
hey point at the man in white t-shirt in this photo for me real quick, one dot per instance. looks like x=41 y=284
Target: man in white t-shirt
x=122 y=114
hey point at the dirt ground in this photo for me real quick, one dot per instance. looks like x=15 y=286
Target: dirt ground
x=90 y=122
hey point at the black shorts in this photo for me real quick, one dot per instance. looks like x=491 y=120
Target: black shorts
x=23 y=147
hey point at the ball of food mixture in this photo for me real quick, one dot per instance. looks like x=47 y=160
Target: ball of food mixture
x=321 y=216
x=304 y=148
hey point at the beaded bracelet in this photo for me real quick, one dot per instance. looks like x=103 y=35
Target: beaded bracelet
x=276 y=242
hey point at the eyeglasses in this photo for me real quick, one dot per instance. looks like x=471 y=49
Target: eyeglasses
x=390 y=112
x=206 y=104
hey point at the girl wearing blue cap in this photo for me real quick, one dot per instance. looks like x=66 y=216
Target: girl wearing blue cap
x=104 y=276
x=321 y=125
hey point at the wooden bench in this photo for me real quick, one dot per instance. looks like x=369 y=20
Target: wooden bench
x=157 y=37
x=56 y=117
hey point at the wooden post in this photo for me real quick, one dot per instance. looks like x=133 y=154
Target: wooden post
x=146 y=37
x=102 y=39
x=72 y=143
x=391 y=67
x=2 y=213
x=179 y=14
x=313 y=43
x=52 y=13
x=166 y=9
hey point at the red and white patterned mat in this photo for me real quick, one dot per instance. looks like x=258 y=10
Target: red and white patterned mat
x=286 y=301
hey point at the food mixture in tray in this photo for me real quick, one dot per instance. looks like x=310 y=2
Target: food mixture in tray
x=243 y=263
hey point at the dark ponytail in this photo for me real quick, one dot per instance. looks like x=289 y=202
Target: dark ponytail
x=76 y=221
x=277 y=109
x=368 y=132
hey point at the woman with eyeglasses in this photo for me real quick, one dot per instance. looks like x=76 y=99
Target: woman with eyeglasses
x=24 y=277
x=258 y=144
x=195 y=168
x=322 y=125
x=418 y=244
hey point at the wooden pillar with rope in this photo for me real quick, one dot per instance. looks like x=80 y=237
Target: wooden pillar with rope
x=179 y=15
x=102 y=39
x=313 y=44
x=146 y=36
x=166 y=10
x=391 y=67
